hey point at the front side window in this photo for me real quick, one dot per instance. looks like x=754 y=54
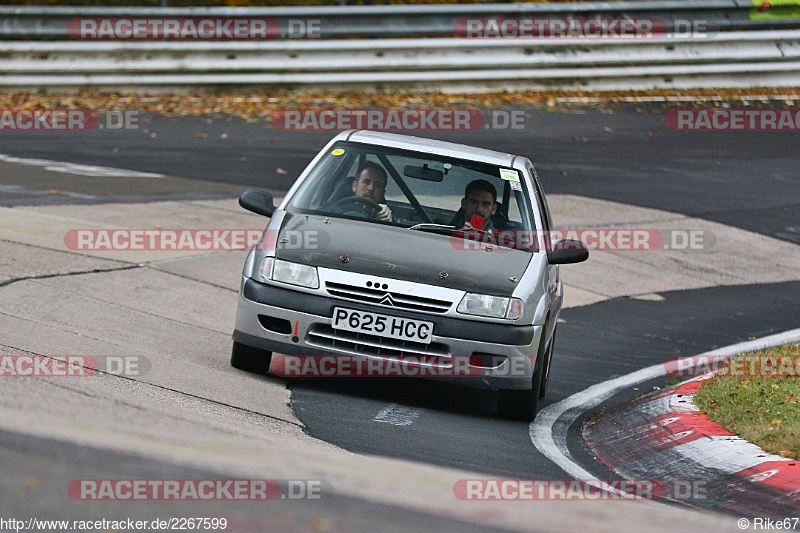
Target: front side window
x=414 y=190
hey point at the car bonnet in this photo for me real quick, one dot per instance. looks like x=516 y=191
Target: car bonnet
x=399 y=253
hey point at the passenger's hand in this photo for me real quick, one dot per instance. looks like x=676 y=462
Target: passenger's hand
x=384 y=214
x=467 y=225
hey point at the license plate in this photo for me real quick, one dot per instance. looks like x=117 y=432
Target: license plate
x=382 y=325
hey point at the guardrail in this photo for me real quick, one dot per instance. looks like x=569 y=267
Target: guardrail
x=414 y=20
x=728 y=59
x=751 y=56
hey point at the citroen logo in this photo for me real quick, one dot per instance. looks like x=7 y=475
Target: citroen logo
x=344 y=259
x=387 y=300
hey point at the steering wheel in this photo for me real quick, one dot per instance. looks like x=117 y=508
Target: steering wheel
x=369 y=203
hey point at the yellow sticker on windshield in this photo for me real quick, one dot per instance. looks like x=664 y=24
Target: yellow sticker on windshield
x=338 y=151
x=510 y=175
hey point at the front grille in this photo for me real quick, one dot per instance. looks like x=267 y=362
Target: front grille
x=387 y=299
x=324 y=336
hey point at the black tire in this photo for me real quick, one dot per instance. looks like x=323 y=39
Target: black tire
x=250 y=359
x=546 y=374
x=521 y=404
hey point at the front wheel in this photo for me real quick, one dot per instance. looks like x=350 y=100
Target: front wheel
x=251 y=359
x=521 y=404
x=546 y=374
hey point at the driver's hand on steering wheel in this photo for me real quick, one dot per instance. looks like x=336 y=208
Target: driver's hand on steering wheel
x=385 y=214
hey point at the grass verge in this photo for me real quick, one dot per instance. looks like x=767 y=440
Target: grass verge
x=760 y=401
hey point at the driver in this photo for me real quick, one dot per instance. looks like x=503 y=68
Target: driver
x=370 y=183
x=480 y=198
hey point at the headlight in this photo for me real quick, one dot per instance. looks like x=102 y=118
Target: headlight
x=291 y=273
x=490 y=306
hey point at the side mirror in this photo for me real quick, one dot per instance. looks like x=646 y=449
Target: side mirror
x=567 y=252
x=259 y=202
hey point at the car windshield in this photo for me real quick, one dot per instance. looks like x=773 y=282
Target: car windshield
x=418 y=191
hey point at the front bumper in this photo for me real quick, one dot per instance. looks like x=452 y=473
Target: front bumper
x=309 y=319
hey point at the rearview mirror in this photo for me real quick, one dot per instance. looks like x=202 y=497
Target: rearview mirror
x=568 y=252
x=259 y=202
x=423 y=173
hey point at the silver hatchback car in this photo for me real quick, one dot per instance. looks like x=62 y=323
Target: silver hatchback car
x=391 y=248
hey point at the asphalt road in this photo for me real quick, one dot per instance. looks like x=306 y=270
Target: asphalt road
x=743 y=179
x=748 y=180
x=48 y=466
x=459 y=428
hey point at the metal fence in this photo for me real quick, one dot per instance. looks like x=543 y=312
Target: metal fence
x=736 y=49
x=416 y=20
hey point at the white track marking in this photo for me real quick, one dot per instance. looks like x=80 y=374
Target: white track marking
x=19 y=189
x=548 y=431
x=80 y=170
x=398 y=415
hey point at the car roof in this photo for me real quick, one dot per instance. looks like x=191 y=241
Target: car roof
x=431 y=146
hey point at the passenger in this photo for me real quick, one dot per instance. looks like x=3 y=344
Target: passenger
x=480 y=198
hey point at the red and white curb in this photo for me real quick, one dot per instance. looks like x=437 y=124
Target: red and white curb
x=548 y=433
x=666 y=437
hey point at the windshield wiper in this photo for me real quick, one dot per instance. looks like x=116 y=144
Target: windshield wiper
x=434 y=228
x=503 y=239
